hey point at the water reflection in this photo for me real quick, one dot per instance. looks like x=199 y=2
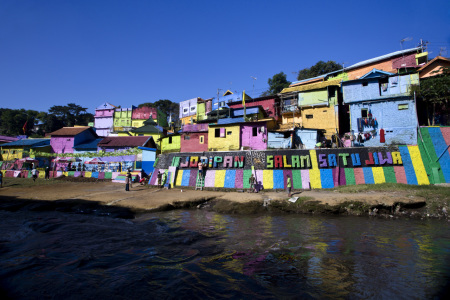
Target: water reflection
x=198 y=254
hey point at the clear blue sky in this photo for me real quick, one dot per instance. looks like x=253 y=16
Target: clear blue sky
x=130 y=52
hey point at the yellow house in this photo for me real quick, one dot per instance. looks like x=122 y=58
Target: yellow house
x=224 y=137
x=171 y=143
x=23 y=148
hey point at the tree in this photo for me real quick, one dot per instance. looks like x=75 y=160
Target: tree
x=320 y=68
x=434 y=93
x=166 y=106
x=276 y=84
x=71 y=114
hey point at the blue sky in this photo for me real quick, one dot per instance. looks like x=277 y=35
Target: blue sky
x=131 y=52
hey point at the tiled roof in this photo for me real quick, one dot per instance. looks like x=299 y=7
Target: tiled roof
x=127 y=141
x=71 y=131
x=432 y=62
x=28 y=142
x=89 y=145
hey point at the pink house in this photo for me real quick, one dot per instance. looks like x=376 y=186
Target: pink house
x=270 y=104
x=104 y=119
x=254 y=135
x=63 y=140
x=194 y=138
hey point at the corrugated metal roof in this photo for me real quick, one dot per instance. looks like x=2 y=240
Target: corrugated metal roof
x=127 y=141
x=313 y=86
x=249 y=111
x=230 y=121
x=28 y=142
x=71 y=131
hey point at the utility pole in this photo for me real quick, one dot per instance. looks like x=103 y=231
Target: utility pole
x=218 y=103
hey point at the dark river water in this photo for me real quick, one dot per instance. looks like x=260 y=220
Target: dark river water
x=192 y=254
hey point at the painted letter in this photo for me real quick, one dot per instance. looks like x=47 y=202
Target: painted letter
x=210 y=163
x=278 y=161
x=204 y=160
x=332 y=160
x=269 y=159
x=295 y=161
x=228 y=162
x=238 y=163
x=356 y=161
x=397 y=158
x=322 y=161
x=370 y=160
x=306 y=158
x=175 y=161
x=344 y=158
x=194 y=162
x=375 y=158
x=217 y=159
x=186 y=163
x=286 y=165
x=385 y=160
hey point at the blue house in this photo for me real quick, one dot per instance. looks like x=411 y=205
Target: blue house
x=148 y=159
x=382 y=111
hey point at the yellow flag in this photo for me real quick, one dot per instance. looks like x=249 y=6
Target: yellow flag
x=243 y=98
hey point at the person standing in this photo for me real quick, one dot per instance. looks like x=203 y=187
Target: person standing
x=1 y=179
x=127 y=181
x=34 y=174
x=288 y=185
x=200 y=168
x=47 y=173
x=252 y=182
x=159 y=178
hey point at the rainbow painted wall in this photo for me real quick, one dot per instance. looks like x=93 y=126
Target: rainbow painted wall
x=316 y=169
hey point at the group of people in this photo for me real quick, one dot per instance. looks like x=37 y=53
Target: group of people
x=253 y=185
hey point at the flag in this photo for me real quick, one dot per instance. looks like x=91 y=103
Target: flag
x=25 y=127
x=243 y=98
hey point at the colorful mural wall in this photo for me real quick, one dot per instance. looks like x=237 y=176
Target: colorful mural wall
x=316 y=169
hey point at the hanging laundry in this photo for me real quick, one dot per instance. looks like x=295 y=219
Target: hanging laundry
x=372 y=123
x=382 y=138
x=376 y=122
x=359 y=123
x=370 y=114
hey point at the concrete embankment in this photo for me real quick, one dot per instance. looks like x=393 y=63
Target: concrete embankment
x=73 y=196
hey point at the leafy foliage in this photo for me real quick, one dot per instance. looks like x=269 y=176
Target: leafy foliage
x=318 y=69
x=166 y=106
x=277 y=83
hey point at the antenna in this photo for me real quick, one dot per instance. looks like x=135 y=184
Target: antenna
x=343 y=64
x=406 y=39
x=253 y=89
x=442 y=51
x=423 y=45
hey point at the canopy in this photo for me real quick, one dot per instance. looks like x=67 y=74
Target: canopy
x=66 y=159
x=94 y=161
x=28 y=160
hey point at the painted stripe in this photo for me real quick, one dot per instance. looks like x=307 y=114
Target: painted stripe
x=306 y=184
x=178 y=180
x=87 y=174
x=342 y=180
x=210 y=178
x=193 y=177
x=359 y=176
x=230 y=178
x=400 y=174
x=326 y=176
x=335 y=176
x=78 y=174
x=278 y=179
x=108 y=175
x=220 y=178
x=368 y=175
x=407 y=165
x=419 y=168
x=259 y=179
x=268 y=178
x=314 y=173
x=246 y=177
x=349 y=176
x=440 y=147
x=428 y=143
x=425 y=159
x=185 y=179
x=239 y=179
x=101 y=175
x=389 y=174
x=297 y=179
x=378 y=175
x=445 y=131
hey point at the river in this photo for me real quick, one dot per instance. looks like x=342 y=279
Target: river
x=201 y=254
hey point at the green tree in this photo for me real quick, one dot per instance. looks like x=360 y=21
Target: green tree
x=434 y=93
x=71 y=114
x=320 y=68
x=276 y=84
x=166 y=106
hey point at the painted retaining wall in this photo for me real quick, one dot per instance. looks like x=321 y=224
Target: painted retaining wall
x=316 y=169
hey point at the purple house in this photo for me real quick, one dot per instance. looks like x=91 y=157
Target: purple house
x=63 y=140
x=104 y=119
x=253 y=135
x=120 y=143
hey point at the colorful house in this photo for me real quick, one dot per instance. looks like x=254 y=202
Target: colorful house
x=234 y=133
x=171 y=143
x=87 y=147
x=122 y=119
x=188 y=111
x=382 y=109
x=270 y=104
x=434 y=67
x=148 y=159
x=104 y=119
x=63 y=140
x=24 y=148
x=150 y=128
x=141 y=114
x=203 y=107
x=194 y=138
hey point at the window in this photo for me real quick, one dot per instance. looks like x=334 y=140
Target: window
x=364 y=113
x=192 y=108
x=365 y=83
x=217 y=132
x=202 y=139
x=402 y=106
x=170 y=140
x=185 y=110
x=255 y=131
x=222 y=103
x=229 y=132
x=187 y=137
x=332 y=92
x=309 y=116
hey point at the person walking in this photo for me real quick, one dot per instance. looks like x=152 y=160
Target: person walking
x=34 y=174
x=127 y=181
x=47 y=173
x=288 y=185
x=252 y=182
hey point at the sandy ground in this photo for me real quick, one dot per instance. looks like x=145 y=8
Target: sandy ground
x=142 y=197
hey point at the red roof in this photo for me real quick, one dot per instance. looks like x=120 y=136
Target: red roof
x=127 y=141
x=71 y=131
